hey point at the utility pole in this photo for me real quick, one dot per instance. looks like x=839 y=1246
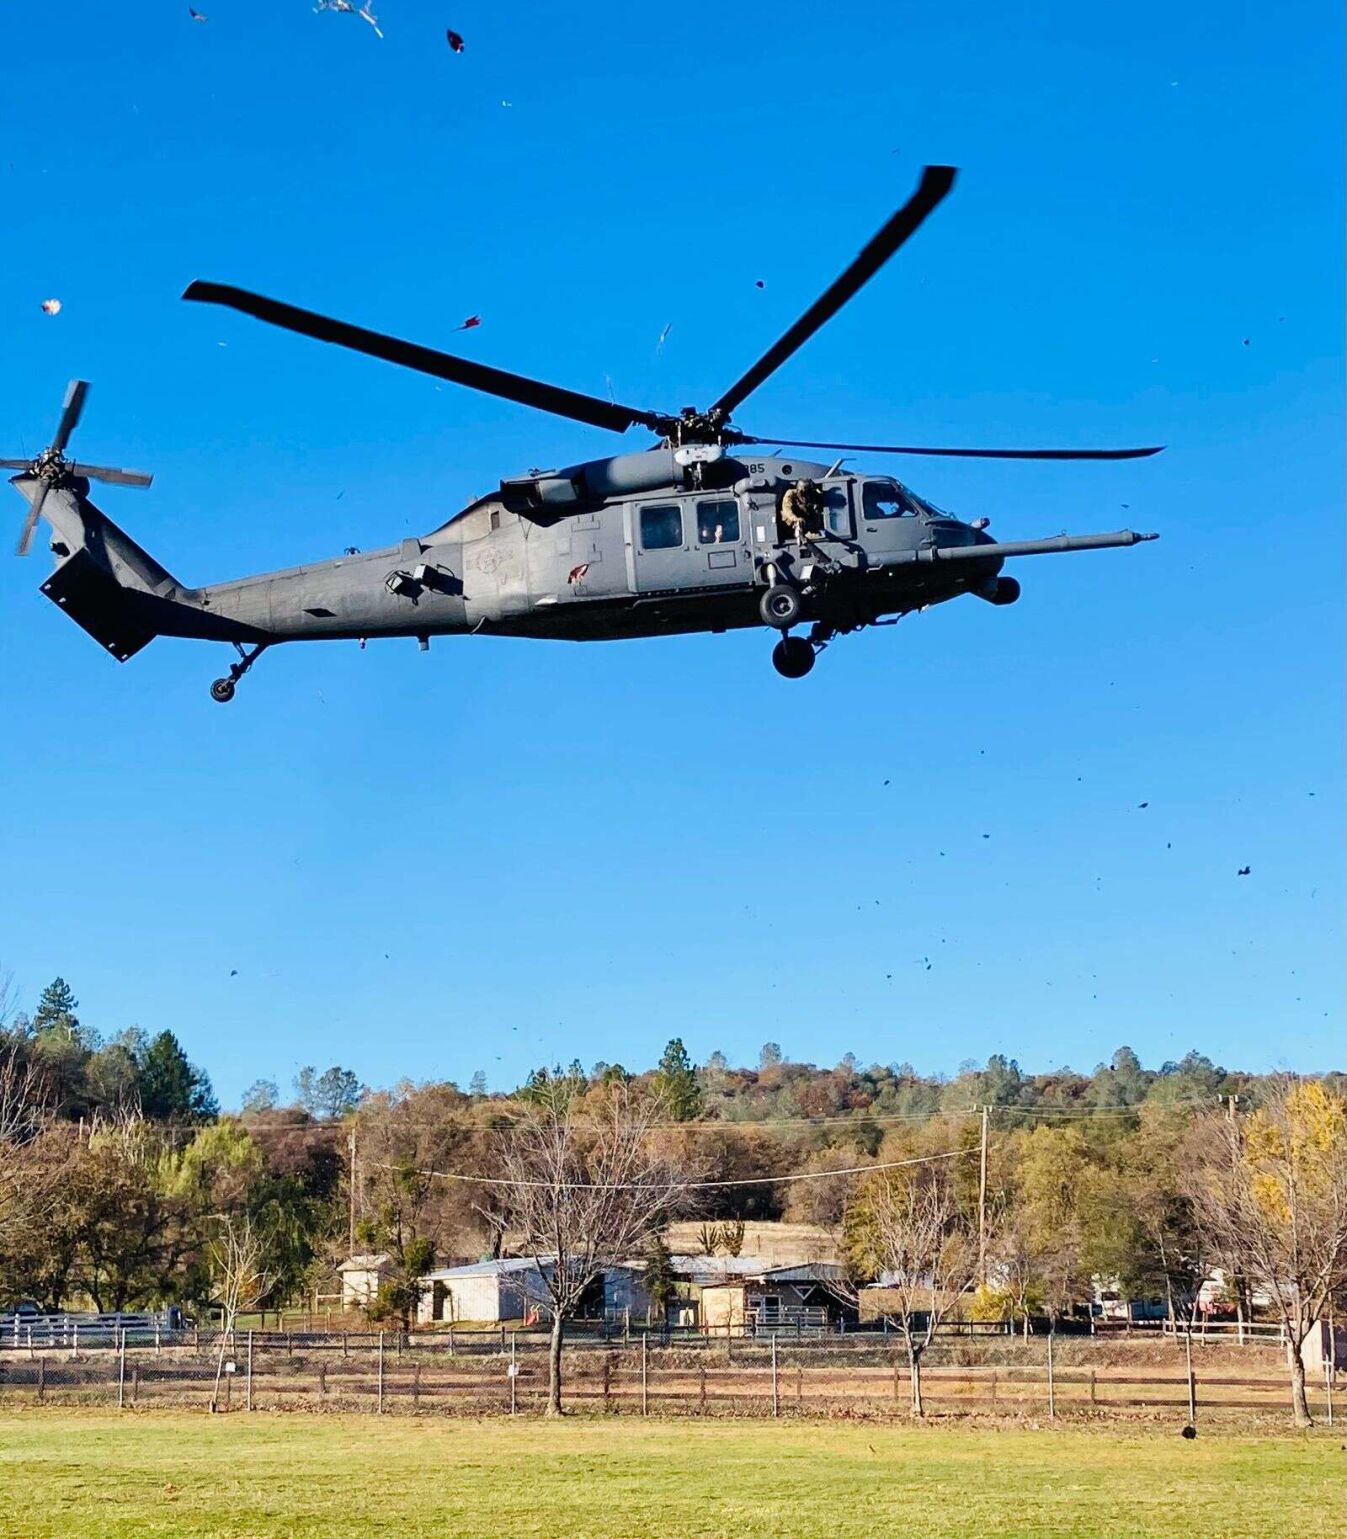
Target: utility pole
x=982 y=1204
x=351 y=1182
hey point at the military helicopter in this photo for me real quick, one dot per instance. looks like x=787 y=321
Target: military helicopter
x=684 y=536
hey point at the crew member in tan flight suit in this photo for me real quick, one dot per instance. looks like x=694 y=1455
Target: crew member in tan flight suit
x=802 y=511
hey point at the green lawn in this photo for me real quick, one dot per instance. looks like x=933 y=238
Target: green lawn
x=275 y=1476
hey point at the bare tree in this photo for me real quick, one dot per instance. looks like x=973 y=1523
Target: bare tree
x=22 y=1101
x=8 y=996
x=583 y=1187
x=1269 y=1195
x=32 y=1155
x=926 y=1251
x=239 y=1254
x=1014 y=1264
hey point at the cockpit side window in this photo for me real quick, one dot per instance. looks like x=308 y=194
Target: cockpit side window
x=885 y=499
x=718 y=522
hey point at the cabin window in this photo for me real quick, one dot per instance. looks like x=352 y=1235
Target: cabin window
x=718 y=522
x=885 y=499
x=661 y=527
x=495 y=518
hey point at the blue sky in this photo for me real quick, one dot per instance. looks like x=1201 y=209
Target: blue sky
x=505 y=852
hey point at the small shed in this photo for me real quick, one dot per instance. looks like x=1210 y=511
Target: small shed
x=361 y=1279
x=748 y=1293
x=484 y=1292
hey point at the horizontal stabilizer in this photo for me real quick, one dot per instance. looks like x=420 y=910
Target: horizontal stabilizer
x=93 y=598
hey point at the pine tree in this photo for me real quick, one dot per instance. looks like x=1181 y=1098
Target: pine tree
x=56 y=1010
x=171 y=1088
x=661 y=1281
x=676 y=1080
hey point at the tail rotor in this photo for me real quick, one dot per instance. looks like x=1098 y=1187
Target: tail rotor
x=51 y=467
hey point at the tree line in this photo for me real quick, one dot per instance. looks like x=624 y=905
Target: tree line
x=122 y=1184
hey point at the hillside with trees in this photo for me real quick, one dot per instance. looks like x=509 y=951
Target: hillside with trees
x=119 y=1169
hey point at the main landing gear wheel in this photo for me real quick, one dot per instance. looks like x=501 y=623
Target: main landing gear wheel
x=780 y=607
x=222 y=690
x=793 y=657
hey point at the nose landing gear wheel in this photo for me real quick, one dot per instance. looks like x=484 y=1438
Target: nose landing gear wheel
x=780 y=607
x=792 y=657
x=222 y=690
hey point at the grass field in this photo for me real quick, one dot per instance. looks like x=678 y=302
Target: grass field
x=95 y=1476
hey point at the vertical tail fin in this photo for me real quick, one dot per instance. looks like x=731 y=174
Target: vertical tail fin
x=103 y=580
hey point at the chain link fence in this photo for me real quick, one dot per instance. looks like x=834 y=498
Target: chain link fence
x=864 y=1376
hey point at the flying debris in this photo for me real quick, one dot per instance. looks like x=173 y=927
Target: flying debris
x=1244 y=871
x=759 y=284
x=51 y=307
x=197 y=16
x=455 y=40
x=663 y=338
x=470 y=323
x=1143 y=805
x=349 y=8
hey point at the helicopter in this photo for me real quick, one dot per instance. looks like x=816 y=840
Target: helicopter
x=684 y=536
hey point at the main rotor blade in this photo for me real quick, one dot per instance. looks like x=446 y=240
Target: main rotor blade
x=461 y=371
x=16 y=464
x=30 y=523
x=112 y=475
x=964 y=454
x=936 y=181
x=70 y=414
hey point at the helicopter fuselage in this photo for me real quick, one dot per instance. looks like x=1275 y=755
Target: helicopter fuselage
x=636 y=546
x=669 y=541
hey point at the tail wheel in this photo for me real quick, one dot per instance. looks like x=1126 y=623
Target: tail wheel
x=222 y=690
x=792 y=657
x=780 y=607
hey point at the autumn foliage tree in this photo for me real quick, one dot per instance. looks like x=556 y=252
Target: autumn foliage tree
x=1269 y=1193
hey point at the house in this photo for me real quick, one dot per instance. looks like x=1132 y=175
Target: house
x=740 y=1293
x=361 y=1278
x=485 y=1291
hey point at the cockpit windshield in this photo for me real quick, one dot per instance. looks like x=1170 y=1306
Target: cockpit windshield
x=886 y=499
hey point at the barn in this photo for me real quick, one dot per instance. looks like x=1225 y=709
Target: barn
x=485 y=1291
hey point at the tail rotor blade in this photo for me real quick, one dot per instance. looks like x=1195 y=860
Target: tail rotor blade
x=112 y=475
x=30 y=523
x=70 y=414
